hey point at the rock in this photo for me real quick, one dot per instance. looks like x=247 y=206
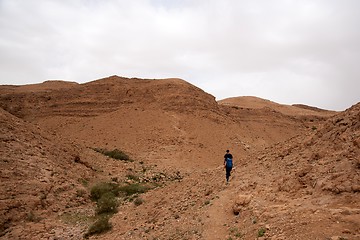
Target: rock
x=240 y=202
x=243 y=200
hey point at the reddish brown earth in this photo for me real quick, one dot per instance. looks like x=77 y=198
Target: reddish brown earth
x=297 y=172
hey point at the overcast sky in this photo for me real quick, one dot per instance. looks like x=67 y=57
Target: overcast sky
x=287 y=51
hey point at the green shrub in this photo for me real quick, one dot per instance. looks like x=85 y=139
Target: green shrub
x=107 y=203
x=101 y=225
x=115 y=154
x=105 y=193
x=138 y=201
x=261 y=232
x=238 y=235
x=135 y=188
x=101 y=188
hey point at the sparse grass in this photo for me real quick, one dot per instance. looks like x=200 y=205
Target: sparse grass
x=238 y=235
x=261 y=232
x=105 y=195
x=115 y=154
x=101 y=225
x=235 y=232
x=132 y=189
x=75 y=218
x=107 y=203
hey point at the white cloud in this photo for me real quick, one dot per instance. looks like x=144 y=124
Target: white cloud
x=283 y=50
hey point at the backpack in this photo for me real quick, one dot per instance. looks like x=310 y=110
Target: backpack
x=229 y=162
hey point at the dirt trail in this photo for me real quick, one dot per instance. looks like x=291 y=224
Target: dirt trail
x=220 y=217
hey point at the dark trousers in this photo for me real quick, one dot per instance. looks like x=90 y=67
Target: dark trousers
x=228 y=171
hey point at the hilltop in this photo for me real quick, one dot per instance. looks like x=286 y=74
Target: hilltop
x=292 y=161
x=259 y=103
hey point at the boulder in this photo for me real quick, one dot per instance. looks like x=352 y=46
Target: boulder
x=240 y=202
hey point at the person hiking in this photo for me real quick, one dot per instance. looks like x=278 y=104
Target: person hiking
x=228 y=164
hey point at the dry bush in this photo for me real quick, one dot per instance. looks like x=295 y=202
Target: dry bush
x=107 y=204
x=102 y=188
x=132 y=189
x=115 y=154
x=101 y=225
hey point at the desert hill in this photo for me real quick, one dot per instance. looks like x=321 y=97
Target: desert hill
x=291 y=162
x=101 y=96
x=45 y=86
x=168 y=116
x=259 y=103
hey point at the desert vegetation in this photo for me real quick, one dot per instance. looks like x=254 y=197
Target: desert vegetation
x=108 y=196
x=115 y=154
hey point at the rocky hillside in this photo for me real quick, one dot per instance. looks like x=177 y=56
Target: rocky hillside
x=327 y=160
x=296 y=176
x=152 y=116
x=312 y=181
x=41 y=175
